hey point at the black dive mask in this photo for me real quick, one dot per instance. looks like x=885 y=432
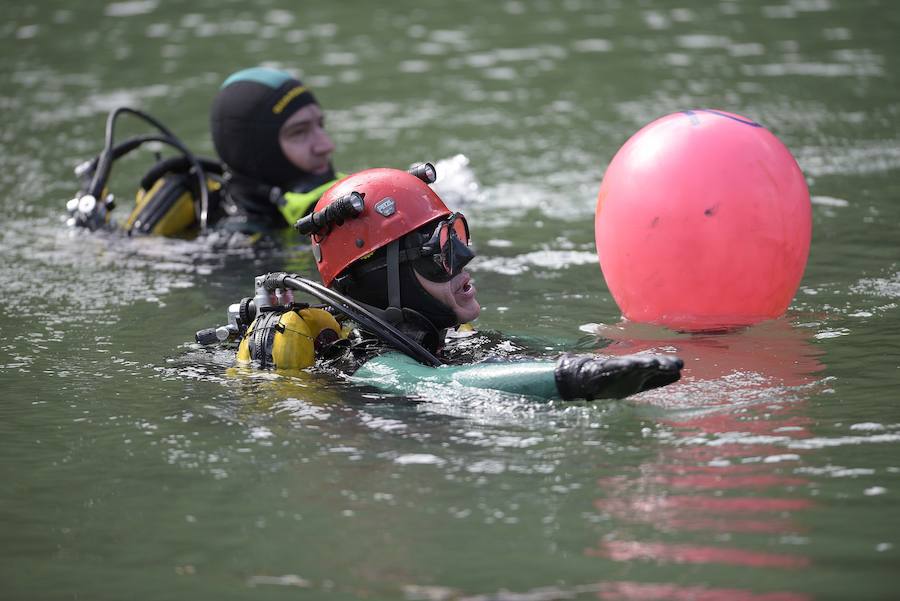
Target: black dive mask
x=444 y=254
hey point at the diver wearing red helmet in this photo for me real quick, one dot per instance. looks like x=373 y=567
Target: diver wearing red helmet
x=383 y=238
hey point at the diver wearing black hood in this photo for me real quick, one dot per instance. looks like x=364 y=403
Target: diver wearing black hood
x=268 y=130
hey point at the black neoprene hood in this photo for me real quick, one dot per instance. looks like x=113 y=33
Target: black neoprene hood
x=245 y=120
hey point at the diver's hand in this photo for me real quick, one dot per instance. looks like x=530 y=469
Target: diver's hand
x=587 y=377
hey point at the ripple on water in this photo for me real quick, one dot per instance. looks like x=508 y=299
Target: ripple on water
x=130 y=8
x=612 y=589
x=857 y=157
x=88 y=273
x=828 y=201
x=888 y=286
x=547 y=259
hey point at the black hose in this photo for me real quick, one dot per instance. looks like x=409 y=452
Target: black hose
x=178 y=164
x=359 y=314
x=106 y=157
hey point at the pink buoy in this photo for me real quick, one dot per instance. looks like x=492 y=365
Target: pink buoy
x=703 y=221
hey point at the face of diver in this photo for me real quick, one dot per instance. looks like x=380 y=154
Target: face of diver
x=458 y=294
x=305 y=142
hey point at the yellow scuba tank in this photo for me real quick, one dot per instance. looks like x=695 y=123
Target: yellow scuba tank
x=275 y=332
x=166 y=203
x=167 y=208
x=287 y=339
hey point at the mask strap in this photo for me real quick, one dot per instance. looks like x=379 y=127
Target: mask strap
x=394 y=311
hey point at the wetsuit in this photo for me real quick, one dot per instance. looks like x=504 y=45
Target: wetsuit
x=250 y=208
x=369 y=362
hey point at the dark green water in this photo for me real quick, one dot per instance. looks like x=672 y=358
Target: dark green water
x=133 y=465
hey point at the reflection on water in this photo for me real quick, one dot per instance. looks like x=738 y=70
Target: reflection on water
x=607 y=591
x=775 y=350
x=714 y=481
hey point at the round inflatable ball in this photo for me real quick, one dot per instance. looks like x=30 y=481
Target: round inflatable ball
x=703 y=222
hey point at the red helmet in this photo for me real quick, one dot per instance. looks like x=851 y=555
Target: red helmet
x=395 y=203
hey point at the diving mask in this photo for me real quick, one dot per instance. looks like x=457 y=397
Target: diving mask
x=446 y=252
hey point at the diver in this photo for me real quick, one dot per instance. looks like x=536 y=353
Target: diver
x=392 y=258
x=269 y=131
x=275 y=163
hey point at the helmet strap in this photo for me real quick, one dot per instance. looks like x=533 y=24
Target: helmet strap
x=394 y=311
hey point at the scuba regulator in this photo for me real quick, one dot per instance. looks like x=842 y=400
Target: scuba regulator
x=275 y=332
x=174 y=195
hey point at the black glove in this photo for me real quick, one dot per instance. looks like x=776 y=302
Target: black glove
x=590 y=378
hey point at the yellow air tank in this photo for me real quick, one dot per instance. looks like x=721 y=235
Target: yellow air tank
x=287 y=340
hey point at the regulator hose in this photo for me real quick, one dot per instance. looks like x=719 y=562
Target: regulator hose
x=357 y=313
x=102 y=164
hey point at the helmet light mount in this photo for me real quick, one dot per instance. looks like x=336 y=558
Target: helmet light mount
x=346 y=207
x=424 y=171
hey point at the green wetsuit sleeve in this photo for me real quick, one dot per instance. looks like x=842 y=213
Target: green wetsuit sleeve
x=294 y=205
x=396 y=373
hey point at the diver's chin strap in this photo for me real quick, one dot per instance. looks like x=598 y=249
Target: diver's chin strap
x=394 y=311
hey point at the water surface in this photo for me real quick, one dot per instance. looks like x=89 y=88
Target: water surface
x=135 y=465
